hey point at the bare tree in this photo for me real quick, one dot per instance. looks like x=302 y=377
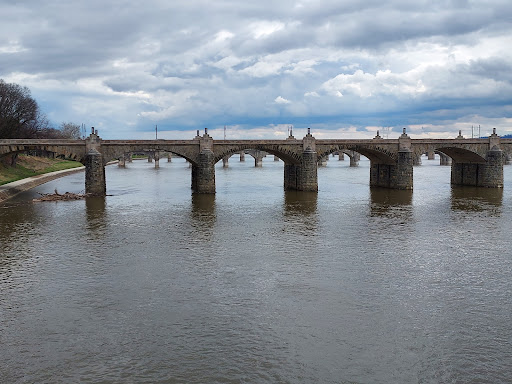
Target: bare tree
x=18 y=112
x=70 y=130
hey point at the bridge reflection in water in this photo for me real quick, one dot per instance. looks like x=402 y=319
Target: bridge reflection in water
x=474 y=199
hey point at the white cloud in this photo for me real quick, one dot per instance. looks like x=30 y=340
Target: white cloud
x=384 y=82
x=263 y=69
x=281 y=100
x=262 y=29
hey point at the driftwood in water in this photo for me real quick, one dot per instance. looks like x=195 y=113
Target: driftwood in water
x=58 y=197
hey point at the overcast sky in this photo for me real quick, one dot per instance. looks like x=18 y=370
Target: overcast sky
x=343 y=68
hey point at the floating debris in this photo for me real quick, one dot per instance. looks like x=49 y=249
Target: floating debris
x=60 y=197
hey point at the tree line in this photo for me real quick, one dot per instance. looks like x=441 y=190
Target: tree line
x=22 y=118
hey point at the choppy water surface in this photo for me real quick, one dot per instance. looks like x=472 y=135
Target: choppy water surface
x=255 y=285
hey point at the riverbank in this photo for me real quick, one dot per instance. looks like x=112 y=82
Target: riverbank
x=28 y=166
x=10 y=190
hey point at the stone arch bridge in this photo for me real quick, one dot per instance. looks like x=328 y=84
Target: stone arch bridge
x=475 y=162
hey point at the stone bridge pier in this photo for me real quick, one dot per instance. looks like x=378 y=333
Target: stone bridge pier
x=394 y=174
x=203 y=171
x=354 y=158
x=444 y=159
x=95 y=184
x=258 y=157
x=303 y=176
x=487 y=173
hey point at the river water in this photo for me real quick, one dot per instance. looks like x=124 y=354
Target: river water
x=257 y=285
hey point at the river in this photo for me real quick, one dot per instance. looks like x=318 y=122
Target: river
x=153 y=284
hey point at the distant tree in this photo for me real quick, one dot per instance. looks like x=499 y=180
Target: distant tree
x=70 y=130
x=18 y=112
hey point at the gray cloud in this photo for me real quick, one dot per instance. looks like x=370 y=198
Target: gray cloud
x=127 y=65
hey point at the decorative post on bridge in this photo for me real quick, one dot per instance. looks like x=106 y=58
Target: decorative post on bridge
x=95 y=184
x=203 y=172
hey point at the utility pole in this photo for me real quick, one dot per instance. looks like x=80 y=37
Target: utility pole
x=471 y=131
x=156 y=132
x=224 y=132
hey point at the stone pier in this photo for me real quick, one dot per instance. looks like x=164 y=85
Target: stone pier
x=444 y=159
x=95 y=183
x=395 y=175
x=486 y=173
x=258 y=158
x=203 y=172
x=303 y=176
x=323 y=161
x=122 y=161
x=354 y=159
x=225 y=162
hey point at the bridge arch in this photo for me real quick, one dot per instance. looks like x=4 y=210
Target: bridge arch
x=287 y=155
x=117 y=152
x=374 y=154
x=461 y=155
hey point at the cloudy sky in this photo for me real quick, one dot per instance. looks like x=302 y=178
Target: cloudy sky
x=343 y=68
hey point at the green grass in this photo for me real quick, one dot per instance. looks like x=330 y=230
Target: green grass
x=10 y=174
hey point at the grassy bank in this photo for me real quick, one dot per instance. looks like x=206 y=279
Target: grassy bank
x=28 y=166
